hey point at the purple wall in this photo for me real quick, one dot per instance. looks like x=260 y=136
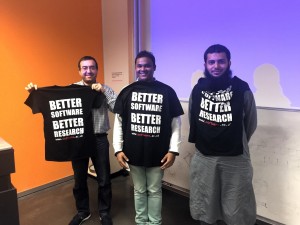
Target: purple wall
x=256 y=32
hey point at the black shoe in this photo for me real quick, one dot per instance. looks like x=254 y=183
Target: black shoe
x=79 y=218
x=106 y=219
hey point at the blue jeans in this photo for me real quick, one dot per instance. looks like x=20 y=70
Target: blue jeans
x=102 y=168
x=147 y=183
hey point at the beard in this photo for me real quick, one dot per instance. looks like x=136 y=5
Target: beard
x=218 y=83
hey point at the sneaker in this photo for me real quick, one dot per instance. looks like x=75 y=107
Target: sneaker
x=106 y=219
x=79 y=218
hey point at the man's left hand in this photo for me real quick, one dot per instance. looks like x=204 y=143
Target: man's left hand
x=168 y=160
x=97 y=87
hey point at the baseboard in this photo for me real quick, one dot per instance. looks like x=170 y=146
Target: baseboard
x=45 y=186
x=264 y=221
x=175 y=188
x=63 y=180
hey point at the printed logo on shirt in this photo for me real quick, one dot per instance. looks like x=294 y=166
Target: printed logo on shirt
x=67 y=118
x=145 y=116
x=215 y=107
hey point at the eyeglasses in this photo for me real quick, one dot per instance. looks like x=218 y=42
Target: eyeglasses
x=85 y=68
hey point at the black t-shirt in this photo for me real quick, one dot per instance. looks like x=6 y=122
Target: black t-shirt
x=68 y=120
x=216 y=125
x=147 y=110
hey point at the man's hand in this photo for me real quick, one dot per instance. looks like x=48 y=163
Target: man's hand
x=97 y=87
x=168 y=160
x=122 y=159
x=31 y=87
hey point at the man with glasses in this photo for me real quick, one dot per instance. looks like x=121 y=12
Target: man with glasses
x=88 y=70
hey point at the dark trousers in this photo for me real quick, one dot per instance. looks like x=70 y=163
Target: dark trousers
x=102 y=167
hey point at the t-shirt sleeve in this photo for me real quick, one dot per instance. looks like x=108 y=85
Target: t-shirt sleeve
x=32 y=102
x=175 y=105
x=121 y=99
x=118 y=105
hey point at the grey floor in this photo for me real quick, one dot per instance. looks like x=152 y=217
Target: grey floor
x=55 y=205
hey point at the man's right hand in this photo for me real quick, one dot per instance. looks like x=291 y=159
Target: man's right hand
x=122 y=159
x=31 y=87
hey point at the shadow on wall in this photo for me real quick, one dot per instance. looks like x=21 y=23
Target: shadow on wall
x=269 y=92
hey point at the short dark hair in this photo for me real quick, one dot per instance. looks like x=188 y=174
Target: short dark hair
x=146 y=54
x=217 y=48
x=87 y=57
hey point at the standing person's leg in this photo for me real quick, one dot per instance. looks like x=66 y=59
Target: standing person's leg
x=154 y=190
x=138 y=176
x=102 y=167
x=80 y=191
x=238 y=199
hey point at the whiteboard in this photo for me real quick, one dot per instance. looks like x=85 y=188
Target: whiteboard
x=275 y=155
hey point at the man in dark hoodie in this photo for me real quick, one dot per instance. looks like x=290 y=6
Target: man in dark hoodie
x=223 y=117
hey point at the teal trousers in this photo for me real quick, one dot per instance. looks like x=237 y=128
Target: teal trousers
x=147 y=183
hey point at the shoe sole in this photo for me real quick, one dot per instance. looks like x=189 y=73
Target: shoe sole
x=85 y=219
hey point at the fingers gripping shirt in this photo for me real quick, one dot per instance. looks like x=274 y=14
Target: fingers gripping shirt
x=68 y=123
